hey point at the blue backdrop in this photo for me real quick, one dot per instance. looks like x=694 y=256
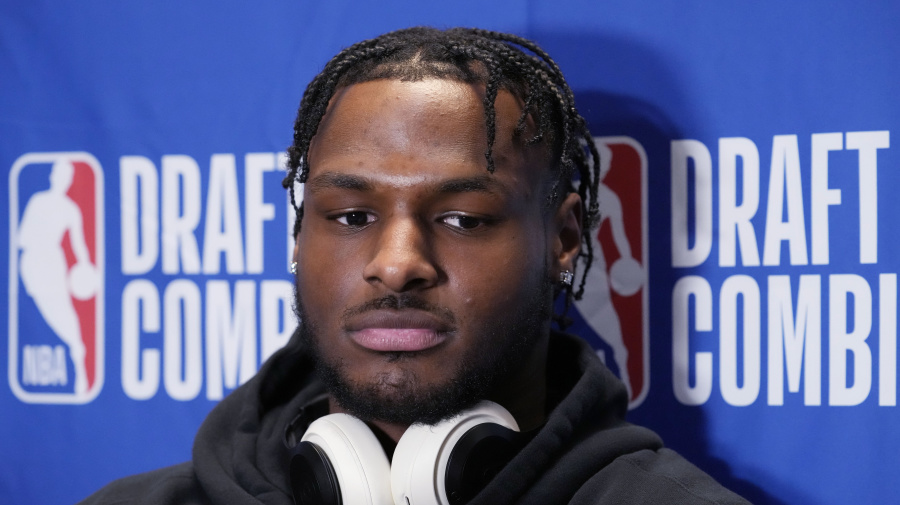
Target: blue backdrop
x=751 y=183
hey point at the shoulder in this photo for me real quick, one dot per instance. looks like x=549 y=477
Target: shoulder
x=654 y=476
x=171 y=485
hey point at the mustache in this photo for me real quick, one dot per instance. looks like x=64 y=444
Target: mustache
x=401 y=302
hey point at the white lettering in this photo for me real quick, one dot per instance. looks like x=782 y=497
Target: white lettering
x=139 y=189
x=230 y=335
x=799 y=338
x=785 y=184
x=822 y=196
x=257 y=211
x=683 y=254
x=842 y=341
x=887 y=340
x=182 y=372
x=685 y=288
x=277 y=321
x=734 y=218
x=139 y=294
x=223 y=218
x=180 y=214
x=745 y=287
x=868 y=144
x=43 y=365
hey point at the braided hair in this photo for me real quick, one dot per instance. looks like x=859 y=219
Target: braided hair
x=493 y=59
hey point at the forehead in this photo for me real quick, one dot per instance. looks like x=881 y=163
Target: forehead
x=385 y=125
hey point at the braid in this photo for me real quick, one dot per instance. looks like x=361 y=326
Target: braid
x=496 y=60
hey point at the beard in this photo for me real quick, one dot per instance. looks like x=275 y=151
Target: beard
x=408 y=401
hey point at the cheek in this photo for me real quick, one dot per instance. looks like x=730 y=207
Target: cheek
x=325 y=272
x=494 y=281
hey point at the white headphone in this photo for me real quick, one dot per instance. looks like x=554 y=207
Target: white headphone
x=339 y=460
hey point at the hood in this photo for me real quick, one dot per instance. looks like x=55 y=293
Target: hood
x=239 y=456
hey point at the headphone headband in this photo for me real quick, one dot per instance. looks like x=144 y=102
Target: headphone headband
x=339 y=460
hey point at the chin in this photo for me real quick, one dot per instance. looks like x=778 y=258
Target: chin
x=399 y=396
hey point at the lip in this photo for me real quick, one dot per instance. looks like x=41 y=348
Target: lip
x=397 y=331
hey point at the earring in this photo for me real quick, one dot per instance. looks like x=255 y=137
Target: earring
x=293 y=267
x=565 y=277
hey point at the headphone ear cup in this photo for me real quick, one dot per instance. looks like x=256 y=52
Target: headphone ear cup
x=357 y=460
x=477 y=458
x=420 y=465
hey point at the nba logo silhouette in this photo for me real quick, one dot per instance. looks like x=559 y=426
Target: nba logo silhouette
x=615 y=301
x=56 y=277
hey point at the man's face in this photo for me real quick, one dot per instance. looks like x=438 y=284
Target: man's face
x=424 y=280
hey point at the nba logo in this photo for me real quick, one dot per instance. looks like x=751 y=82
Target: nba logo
x=615 y=301
x=56 y=278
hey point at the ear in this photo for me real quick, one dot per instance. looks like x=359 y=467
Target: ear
x=297 y=215
x=566 y=240
x=296 y=255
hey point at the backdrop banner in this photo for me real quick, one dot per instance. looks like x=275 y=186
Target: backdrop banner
x=745 y=289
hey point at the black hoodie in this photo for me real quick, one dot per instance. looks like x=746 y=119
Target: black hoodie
x=586 y=453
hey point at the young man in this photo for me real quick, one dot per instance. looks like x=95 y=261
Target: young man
x=439 y=220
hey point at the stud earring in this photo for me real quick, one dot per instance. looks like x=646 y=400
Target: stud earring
x=565 y=277
x=293 y=267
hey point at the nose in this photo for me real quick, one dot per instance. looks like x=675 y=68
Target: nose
x=402 y=259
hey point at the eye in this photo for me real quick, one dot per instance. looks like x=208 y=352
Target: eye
x=355 y=219
x=462 y=221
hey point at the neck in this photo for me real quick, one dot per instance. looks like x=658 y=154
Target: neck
x=524 y=393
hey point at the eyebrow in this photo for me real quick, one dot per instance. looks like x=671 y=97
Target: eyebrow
x=475 y=184
x=342 y=181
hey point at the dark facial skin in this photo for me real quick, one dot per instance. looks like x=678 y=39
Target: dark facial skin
x=399 y=205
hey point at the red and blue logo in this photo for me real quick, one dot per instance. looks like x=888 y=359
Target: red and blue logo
x=615 y=303
x=56 y=277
